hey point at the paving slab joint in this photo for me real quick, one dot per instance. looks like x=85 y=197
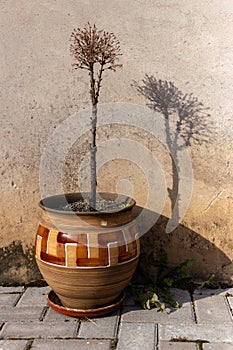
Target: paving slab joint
x=193 y=307
x=18 y=299
x=114 y=341
x=114 y=344
x=229 y=305
x=1 y=327
x=156 y=336
x=118 y=324
x=43 y=313
x=77 y=328
x=199 y=342
x=29 y=344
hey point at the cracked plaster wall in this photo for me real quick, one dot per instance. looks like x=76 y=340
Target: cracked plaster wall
x=187 y=42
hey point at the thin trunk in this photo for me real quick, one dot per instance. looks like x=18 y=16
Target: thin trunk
x=93 y=157
x=95 y=89
x=93 y=140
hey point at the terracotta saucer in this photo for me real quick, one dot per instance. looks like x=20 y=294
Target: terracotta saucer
x=56 y=305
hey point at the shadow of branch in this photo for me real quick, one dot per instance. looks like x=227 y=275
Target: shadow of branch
x=192 y=120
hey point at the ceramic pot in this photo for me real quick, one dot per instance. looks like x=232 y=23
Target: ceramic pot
x=87 y=258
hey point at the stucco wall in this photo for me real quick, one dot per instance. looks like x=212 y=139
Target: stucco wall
x=187 y=42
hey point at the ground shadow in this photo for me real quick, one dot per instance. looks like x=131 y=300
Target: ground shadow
x=179 y=245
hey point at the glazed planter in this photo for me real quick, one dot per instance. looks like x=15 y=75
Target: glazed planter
x=87 y=258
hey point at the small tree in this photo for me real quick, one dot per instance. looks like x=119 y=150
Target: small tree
x=96 y=51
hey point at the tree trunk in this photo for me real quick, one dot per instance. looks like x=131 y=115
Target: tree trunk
x=93 y=156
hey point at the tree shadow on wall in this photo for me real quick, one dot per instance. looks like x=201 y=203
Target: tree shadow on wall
x=186 y=121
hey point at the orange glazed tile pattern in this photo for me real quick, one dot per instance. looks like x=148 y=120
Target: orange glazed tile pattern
x=87 y=249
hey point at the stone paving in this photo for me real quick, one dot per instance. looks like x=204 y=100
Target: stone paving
x=203 y=322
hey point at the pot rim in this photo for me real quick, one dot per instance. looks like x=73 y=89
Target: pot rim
x=49 y=203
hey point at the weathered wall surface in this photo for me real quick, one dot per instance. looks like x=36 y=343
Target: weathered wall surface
x=187 y=42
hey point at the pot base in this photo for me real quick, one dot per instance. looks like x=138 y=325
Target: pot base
x=56 y=305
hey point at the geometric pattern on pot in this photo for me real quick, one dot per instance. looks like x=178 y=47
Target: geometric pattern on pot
x=108 y=248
